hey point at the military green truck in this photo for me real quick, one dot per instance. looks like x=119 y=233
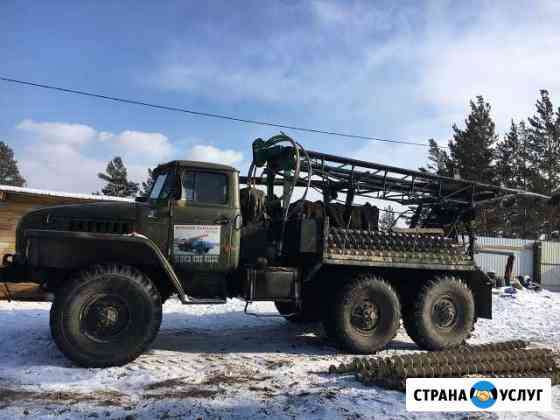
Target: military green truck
x=109 y=267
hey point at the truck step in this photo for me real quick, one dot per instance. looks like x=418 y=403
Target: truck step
x=194 y=301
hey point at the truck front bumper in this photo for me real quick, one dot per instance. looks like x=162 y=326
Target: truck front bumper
x=15 y=283
x=13 y=270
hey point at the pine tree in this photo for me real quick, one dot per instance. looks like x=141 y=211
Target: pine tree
x=544 y=145
x=472 y=154
x=544 y=139
x=471 y=150
x=9 y=172
x=116 y=177
x=388 y=218
x=439 y=161
x=525 y=171
x=512 y=158
x=148 y=184
x=513 y=170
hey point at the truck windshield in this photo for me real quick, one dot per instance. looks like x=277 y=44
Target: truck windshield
x=162 y=187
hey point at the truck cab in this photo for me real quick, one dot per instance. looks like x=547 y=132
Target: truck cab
x=108 y=267
x=195 y=217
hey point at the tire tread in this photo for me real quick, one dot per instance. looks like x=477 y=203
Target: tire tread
x=91 y=274
x=333 y=325
x=412 y=317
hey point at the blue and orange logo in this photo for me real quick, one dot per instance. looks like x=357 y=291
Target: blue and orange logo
x=483 y=394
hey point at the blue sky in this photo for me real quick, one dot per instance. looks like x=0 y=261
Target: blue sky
x=388 y=69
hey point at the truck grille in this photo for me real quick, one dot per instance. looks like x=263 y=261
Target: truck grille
x=91 y=225
x=100 y=226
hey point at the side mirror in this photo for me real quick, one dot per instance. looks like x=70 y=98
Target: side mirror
x=141 y=199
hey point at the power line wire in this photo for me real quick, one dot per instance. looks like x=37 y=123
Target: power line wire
x=209 y=114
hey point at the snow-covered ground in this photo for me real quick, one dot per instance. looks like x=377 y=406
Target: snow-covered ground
x=216 y=362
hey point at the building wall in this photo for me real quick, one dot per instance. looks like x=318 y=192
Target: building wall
x=496 y=262
x=523 y=250
x=550 y=265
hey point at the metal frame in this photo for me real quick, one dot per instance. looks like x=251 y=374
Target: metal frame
x=404 y=186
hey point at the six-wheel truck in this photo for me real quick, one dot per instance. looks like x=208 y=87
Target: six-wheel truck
x=109 y=267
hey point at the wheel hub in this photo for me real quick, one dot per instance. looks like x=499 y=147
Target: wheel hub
x=444 y=313
x=108 y=316
x=105 y=317
x=365 y=316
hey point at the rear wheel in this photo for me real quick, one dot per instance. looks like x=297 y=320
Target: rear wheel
x=105 y=316
x=442 y=316
x=364 y=315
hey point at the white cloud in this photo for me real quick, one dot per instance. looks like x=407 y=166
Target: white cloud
x=144 y=146
x=68 y=157
x=298 y=65
x=402 y=72
x=56 y=132
x=59 y=167
x=505 y=56
x=213 y=154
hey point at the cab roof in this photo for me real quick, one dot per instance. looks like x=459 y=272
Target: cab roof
x=194 y=164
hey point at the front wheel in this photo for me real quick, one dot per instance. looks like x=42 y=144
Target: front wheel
x=106 y=316
x=364 y=315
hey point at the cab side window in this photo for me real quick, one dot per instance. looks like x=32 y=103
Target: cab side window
x=205 y=187
x=164 y=186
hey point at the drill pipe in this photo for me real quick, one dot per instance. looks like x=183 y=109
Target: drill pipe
x=399 y=384
x=379 y=363
x=460 y=364
x=487 y=364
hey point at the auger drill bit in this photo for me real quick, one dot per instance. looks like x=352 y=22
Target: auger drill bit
x=420 y=358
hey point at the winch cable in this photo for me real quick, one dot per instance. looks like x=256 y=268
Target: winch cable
x=309 y=176
x=287 y=193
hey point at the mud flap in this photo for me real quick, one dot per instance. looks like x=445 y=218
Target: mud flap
x=481 y=286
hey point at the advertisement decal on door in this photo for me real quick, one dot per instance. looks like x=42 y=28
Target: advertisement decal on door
x=194 y=244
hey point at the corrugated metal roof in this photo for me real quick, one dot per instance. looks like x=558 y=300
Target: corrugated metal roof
x=33 y=191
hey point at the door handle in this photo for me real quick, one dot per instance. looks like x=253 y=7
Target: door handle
x=222 y=220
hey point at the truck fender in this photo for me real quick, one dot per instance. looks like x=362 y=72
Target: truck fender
x=57 y=249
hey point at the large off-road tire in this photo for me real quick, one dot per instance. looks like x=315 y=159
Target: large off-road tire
x=363 y=316
x=442 y=315
x=106 y=315
x=307 y=314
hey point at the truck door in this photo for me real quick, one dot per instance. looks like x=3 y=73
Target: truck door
x=204 y=237
x=157 y=220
